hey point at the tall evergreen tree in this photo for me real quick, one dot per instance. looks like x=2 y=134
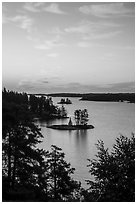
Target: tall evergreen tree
x=62 y=186
x=22 y=159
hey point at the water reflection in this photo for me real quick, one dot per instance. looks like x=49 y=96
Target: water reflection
x=70 y=132
x=81 y=133
x=44 y=123
x=81 y=140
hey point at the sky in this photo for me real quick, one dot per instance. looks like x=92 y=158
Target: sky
x=68 y=46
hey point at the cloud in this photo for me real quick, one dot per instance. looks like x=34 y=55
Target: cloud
x=87 y=43
x=53 y=8
x=29 y=84
x=41 y=7
x=125 y=86
x=22 y=21
x=39 y=82
x=94 y=30
x=101 y=35
x=46 y=45
x=106 y=10
x=45 y=82
x=53 y=84
x=33 y=7
x=26 y=84
x=86 y=26
x=102 y=88
x=56 y=31
x=107 y=56
x=54 y=38
x=73 y=85
x=49 y=44
x=118 y=87
x=82 y=28
x=53 y=55
x=84 y=44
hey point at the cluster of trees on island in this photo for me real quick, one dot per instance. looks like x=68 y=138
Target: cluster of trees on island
x=81 y=117
x=33 y=174
x=65 y=101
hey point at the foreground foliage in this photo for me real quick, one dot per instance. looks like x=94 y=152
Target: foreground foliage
x=114 y=172
x=61 y=185
x=30 y=173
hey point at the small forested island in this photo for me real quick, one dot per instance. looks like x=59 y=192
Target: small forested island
x=81 y=119
x=65 y=101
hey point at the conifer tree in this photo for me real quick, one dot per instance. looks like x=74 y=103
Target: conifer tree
x=81 y=117
x=62 y=185
x=22 y=160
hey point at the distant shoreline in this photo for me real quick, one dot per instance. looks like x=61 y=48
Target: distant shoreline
x=102 y=97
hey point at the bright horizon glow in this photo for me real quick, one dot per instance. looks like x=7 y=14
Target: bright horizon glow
x=68 y=47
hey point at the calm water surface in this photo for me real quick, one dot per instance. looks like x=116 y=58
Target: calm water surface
x=110 y=120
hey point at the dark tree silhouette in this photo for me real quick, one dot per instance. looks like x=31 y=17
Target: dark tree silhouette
x=62 y=186
x=30 y=173
x=119 y=97
x=114 y=172
x=77 y=114
x=42 y=107
x=22 y=160
x=81 y=117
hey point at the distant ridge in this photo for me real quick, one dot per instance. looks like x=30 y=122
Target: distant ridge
x=110 y=97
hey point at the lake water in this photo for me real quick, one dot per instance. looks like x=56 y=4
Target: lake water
x=110 y=119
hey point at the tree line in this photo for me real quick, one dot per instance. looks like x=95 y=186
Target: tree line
x=33 y=174
x=115 y=97
x=41 y=107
